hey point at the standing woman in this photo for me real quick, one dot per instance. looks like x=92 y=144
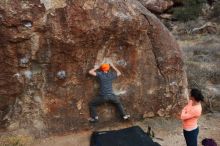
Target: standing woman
x=190 y=115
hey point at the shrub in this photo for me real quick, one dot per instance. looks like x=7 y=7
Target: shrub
x=190 y=11
x=15 y=141
x=216 y=10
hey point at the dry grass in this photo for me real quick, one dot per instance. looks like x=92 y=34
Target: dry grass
x=202 y=57
x=16 y=141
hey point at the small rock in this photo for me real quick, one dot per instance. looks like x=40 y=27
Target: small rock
x=161 y=112
x=166 y=16
x=13 y=126
x=157 y=6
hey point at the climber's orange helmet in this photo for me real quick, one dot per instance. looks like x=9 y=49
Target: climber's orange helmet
x=105 y=67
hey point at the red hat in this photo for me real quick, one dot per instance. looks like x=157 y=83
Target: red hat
x=105 y=67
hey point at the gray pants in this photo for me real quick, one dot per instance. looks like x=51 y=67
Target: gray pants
x=105 y=99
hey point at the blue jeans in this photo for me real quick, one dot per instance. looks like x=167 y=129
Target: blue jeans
x=191 y=137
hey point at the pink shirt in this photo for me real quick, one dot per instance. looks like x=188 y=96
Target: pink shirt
x=190 y=115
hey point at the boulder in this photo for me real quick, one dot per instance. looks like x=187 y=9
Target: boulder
x=48 y=47
x=157 y=6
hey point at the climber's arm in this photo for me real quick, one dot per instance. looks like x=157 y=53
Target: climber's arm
x=93 y=70
x=117 y=71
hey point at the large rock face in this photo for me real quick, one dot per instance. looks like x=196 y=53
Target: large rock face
x=48 y=46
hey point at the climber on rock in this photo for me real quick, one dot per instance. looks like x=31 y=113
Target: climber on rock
x=105 y=78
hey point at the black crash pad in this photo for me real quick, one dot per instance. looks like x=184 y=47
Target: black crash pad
x=133 y=136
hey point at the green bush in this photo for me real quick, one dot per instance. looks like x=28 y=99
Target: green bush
x=190 y=11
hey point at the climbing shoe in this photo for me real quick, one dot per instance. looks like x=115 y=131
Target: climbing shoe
x=93 y=120
x=126 y=117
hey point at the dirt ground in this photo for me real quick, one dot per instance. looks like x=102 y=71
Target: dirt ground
x=168 y=132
